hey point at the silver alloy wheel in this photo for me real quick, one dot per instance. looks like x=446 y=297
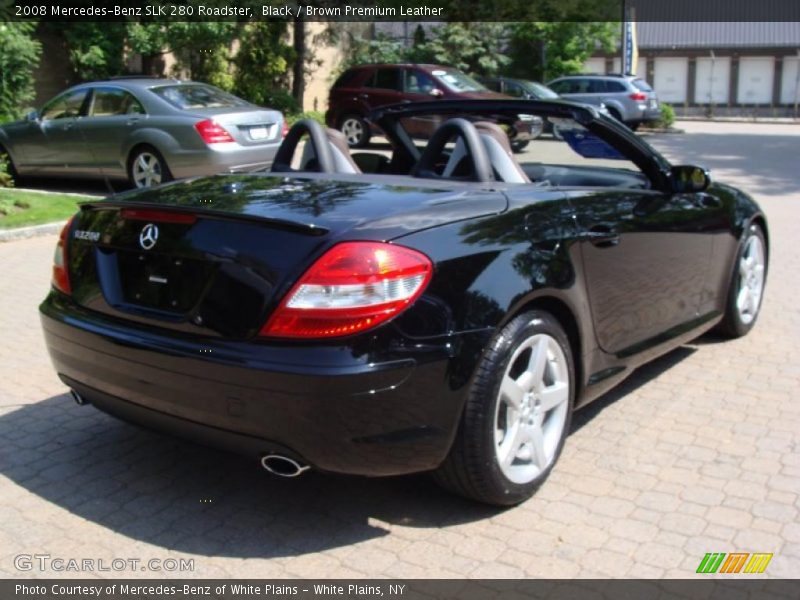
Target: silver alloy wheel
x=531 y=410
x=353 y=130
x=146 y=170
x=751 y=280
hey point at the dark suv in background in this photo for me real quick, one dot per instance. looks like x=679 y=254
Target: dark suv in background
x=361 y=89
x=628 y=98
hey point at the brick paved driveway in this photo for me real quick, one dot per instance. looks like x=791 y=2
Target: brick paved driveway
x=698 y=452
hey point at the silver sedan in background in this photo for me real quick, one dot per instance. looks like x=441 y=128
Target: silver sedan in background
x=144 y=130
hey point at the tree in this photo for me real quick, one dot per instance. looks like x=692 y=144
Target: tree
x=380 y=49
x=477 y=48
x=263 y=65
x=19 y=56
x=299 y=66
x=545 y=50
x=202 y=49
x=96 y=50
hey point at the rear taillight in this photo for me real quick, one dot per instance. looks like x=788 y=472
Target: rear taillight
x=60 y=261
x=638 y=97
x=284 y=129
x=212 y=132
x=353 y=287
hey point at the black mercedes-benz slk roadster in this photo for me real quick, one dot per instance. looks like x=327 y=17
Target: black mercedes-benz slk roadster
x=430 y=305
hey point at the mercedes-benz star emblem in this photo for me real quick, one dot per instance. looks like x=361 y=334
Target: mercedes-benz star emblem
x=149 y=236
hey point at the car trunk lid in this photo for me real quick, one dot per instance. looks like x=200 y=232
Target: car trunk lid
x=213 y=256
x=248 y=126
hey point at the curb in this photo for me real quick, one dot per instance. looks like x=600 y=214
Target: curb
x=55 y=193
x=21 y=233
x=757 y=120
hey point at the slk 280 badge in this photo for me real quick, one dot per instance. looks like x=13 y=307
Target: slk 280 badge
x=91 y=236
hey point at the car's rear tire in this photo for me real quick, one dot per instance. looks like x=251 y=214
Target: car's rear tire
x=356 y=131
x=147 y=167
x=517 y=414
x=746 y=290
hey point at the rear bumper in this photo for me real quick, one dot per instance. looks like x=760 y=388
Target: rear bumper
x=335 y=410
x=649 y=115
x=220 y=158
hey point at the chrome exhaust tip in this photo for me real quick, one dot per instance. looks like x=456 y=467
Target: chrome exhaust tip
x=79 y=400
x=283 y=466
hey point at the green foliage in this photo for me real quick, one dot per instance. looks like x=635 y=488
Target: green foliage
x=263 y=64
x=667 y=116
x=381 y=49
x=476 y=48
x=545 y=50
x=21 y=208
x=201 y=49
x=19 y=56
x=315 y=115
x=96 y=50
x=6 y=180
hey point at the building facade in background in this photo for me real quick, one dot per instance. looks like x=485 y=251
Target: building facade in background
x=719 y=67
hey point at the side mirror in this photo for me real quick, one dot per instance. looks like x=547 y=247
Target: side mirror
x=688 y=179
x=32 y=116
x=436 y=93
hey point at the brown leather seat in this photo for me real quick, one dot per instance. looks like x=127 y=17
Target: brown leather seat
x=505 y=166
x=341 y=152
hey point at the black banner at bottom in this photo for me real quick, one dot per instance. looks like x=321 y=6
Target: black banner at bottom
x=408 y=589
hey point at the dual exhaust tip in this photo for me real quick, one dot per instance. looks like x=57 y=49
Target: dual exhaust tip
x=283 y=466
x=277 y=464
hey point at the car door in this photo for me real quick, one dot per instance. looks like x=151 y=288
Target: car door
x=417 y=87
x=383 y=88
x=112 y=116
x=588 y=90
x=646 y=257
x=51 y=142
x=511 y=88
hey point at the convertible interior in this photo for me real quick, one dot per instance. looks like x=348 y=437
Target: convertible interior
x=474 y=148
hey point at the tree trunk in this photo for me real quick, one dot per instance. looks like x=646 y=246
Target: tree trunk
x=299 y=69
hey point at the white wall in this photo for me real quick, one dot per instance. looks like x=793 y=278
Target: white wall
x=595 y=65
x=755 y=80
x=712 y=85
x=670 y=79
x=789 y=81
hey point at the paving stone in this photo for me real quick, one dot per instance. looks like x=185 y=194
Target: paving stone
x=701 y=453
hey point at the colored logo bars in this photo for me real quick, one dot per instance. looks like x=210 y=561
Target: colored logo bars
x=735 y=562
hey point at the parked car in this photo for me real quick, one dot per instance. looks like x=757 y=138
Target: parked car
x=145 y=130
x=628 y=98
x=528 y=90
x=445 y=311
x=362 y=89
x=519 y=88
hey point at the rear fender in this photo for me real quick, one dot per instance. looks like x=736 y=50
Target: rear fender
x=159 y=139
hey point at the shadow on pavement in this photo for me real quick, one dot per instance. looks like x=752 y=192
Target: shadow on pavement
x=194 y=499
x=637 y=379
x=768 y=160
